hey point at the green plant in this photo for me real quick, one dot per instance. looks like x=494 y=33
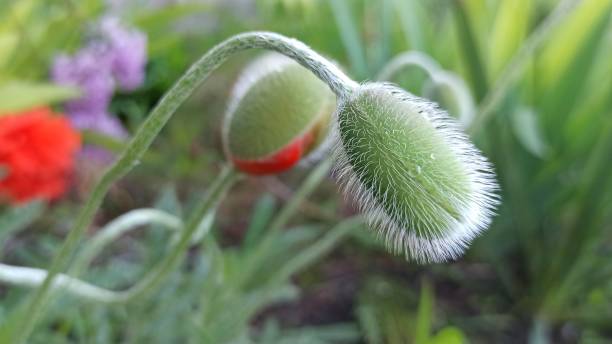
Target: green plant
x=208 y=300
x=385 y=315
x=347 y=91
x=541 y=80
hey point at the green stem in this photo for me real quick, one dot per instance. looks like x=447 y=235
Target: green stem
x=338 y=82
x=31 y=277
x=150 y=282
x=437 y=75
x=119 y=226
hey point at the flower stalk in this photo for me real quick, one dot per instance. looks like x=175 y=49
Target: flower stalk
x=420 y=182
x=338 y=82
x=438 y=76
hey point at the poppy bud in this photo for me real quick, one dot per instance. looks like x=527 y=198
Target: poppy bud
x=278 y=113
x=414 y=174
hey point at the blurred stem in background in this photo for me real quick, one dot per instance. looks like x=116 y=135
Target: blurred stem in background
x=34 y=277
x=149 y=283
x=31 y=277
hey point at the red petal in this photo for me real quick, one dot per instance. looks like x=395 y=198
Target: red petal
x=280 y=161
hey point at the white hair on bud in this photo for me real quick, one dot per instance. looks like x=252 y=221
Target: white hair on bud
x=474 y=214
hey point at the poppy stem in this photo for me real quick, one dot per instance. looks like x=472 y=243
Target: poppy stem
x=338 y=82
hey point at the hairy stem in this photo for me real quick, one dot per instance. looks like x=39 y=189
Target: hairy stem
x=338 y=82
x=437 y=75
x=118 y=227
x=32 y=277
x=149 y=283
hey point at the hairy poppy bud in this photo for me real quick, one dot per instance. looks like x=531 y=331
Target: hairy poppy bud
x=278 y=113
x=417 y=178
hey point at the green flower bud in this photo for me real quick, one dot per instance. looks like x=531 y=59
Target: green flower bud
x=417 y=178
x=278 y=113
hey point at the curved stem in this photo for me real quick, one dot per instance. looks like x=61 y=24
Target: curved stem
x=338 y=82
x=438 y=76
x=32 y=277
x=226 y=179
x=406 y=59
x=118 y=227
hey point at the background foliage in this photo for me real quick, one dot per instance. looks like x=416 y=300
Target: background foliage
x=541 y=274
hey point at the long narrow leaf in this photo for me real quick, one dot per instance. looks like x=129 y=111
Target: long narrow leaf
x=350 y=37
x=470 y=51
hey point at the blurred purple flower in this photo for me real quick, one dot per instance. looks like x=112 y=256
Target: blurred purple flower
x=115 y=55
x=88 y=70
x=127 y=52
x=101 y=122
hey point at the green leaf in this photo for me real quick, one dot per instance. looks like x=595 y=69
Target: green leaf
x=380 y=46
x=366 y=314
x=350 y=37
x=264 y=209
x=160 y=18
x=509 y=31
x=470 y=50
x=20 y=95
x=449 y=335
x=8 y=43
x=527 y=130
x=561 y=82
x=568 y=40
x=16 y=14
x=17 y=218
x=424 y=314
x=410 y=14
x=107 y=142
x=317 y=250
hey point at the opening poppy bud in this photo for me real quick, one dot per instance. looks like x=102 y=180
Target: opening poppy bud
x=414 y=174
x=278 y=113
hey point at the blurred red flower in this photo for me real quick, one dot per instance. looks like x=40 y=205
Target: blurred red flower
x=37 y=149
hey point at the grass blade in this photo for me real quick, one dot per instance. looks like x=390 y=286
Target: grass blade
x=350 y=37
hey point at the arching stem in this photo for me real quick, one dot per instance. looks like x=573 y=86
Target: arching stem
x=32 y=277
x=338 y=82
x=437 y=75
